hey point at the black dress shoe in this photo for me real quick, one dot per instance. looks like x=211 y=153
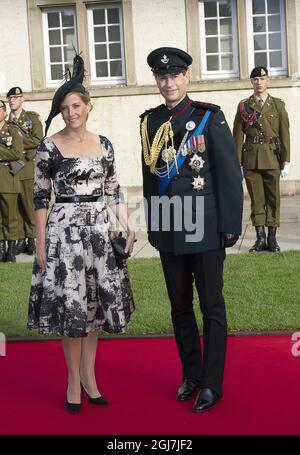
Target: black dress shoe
x=187 y=389
x=99 y=400
x=74 y=408
x=205 y=400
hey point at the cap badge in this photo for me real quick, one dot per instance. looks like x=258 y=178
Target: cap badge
x=18 y=91
x=165 y=59
x=262 y=72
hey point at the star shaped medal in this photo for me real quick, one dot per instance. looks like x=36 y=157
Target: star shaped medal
x=196 y=163
x=198 y=183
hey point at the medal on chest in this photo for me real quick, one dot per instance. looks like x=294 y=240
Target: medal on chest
x=196 y=162
x=183 y=148
x=6 y=138
x=194 y=145
x=198 y=183
x=25 y=122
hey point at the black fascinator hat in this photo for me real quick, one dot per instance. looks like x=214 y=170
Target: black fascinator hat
x=73 y=84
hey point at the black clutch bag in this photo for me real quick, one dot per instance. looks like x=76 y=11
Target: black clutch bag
x=118 y=243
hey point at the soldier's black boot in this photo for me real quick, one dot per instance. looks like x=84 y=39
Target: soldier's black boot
x=271 y=240
x=260 y=244
x=2 y=251
x=21 y=246
x=11 y=251
x=30 y=247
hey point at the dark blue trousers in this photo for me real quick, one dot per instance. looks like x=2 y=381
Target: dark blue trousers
x=206 y=269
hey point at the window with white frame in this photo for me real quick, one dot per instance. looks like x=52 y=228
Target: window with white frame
x=218 y=38
x=106 y=43
x=266 y=35
x=59 y=27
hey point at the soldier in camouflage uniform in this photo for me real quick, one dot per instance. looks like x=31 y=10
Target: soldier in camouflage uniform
x=30 y=126
x=261 y=133
x=11 y=148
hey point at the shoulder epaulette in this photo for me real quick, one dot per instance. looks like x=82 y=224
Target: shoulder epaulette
x=245 y=100
x=206 y=106
x=278 y=99
x=152 y=110
x=32 y=113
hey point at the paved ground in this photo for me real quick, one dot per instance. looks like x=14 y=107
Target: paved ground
x=288 y=234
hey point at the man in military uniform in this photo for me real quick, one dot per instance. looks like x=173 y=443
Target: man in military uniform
x=193 y=202
x=261 y=133
x=11 y=153
x=30 y=126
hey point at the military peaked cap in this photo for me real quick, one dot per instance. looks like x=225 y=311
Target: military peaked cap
x=259 y=71
x=14 y=91
x=165 y=60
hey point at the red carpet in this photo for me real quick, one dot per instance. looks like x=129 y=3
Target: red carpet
x=139 y=378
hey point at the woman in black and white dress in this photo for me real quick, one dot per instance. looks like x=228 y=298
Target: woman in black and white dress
x=77 y=287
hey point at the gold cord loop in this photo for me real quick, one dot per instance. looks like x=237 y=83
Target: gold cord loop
x=163 y=135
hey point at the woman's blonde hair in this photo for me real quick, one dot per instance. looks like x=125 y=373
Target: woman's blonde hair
x=85 y=97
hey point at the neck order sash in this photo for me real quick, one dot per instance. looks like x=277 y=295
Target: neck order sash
x=164 y=181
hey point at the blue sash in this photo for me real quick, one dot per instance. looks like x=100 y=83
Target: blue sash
x=164 y=181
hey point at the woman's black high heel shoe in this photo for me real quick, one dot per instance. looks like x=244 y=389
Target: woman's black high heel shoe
x=99 y=400
x=74 y=408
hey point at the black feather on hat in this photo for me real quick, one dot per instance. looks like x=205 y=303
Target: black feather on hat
x=72 y=85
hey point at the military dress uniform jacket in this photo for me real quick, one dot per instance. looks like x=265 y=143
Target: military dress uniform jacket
x=8 y=182
x=274 y=122
x=222 y=190
x=31 y=128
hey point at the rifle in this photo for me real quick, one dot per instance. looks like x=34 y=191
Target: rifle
x=278 y=154
x=15 y=166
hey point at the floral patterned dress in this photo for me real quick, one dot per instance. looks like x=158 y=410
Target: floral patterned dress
x=81 y=289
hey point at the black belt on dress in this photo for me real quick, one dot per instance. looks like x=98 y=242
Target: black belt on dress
x=263 y=139
x=79 y=198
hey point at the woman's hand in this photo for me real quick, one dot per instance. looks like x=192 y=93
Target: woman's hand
x=130 y=242
x=41 y=254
